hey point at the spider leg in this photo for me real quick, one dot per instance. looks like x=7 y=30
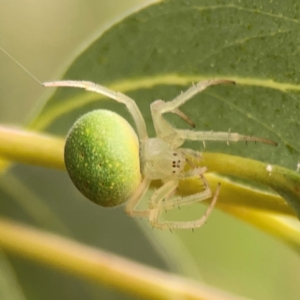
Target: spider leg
x=119 y=97
x=162 y=193
x=136 y=198
x=179 y=200
x=159 y=195
x=188 y=94
x=163 y=129
x=194 y=172
x=219 y=136
x=176 y=137
x=183 y=116
x=155 y=212
x=193 y=153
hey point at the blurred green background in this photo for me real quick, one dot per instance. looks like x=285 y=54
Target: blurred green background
x=44 y=36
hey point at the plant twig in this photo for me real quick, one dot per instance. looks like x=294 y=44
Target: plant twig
x=102 y=267
x=31 y=148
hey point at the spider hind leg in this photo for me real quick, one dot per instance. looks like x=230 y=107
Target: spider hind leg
x=165 y=206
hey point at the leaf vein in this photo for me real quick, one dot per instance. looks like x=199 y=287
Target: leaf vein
x=251 y=10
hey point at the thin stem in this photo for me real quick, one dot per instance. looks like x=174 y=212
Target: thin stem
x=99 y=266
x=285 y=229
x=31 y=148
x=284 y=181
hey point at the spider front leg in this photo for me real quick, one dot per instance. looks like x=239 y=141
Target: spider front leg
x=188 y=94
x=163 y=192
x=167 y=205
x=119 y=97
x=176 y=137
x=136 y=198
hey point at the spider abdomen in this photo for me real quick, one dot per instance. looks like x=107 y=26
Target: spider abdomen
x=102 y=157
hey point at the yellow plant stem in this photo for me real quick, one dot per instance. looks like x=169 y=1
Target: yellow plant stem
x=31 y=148
x=284 y=181
x=280 y=226
x=256 y=171
x=102 y=267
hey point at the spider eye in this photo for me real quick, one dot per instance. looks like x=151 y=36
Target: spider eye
x=102 y=158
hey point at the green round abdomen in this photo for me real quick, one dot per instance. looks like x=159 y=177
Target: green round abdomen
x=102 y=157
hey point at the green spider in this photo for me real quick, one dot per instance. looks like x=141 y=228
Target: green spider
x=110 y=165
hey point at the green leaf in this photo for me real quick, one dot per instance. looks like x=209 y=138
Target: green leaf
x=247 y=42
